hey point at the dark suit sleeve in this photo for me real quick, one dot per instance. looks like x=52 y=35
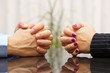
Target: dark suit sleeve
x=100 y=45
x=3 y=66
x=100 y=65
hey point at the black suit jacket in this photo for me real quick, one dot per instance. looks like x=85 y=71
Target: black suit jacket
x=100 y=45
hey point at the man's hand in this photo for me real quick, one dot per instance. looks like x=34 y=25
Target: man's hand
x=22 y=25
x=83 y=33
x=31 y=41
x=29 y=65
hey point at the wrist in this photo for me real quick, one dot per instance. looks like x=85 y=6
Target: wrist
x=9 y=47
x=92 y=35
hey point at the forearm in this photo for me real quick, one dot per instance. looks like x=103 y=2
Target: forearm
x=100 y=45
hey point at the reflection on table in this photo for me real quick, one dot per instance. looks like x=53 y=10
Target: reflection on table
x=3 y=65
x=86 y=65
x=29 y=65
x=40 y=65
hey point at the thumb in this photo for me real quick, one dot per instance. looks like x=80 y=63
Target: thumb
x=77 y=26
x=22 y=26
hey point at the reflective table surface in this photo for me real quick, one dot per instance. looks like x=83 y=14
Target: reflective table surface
x=41 y=65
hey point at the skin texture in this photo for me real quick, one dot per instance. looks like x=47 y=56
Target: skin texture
x=76 y=65
x=84 y=34
x=26 y=42
x=84 y=37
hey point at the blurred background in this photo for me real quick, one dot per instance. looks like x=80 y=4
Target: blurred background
x=95 y=12
x=56 y=14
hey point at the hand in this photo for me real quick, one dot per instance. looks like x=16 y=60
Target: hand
x=76 y=65
x=81 y=43
x=84 y=36
x=71 y=66
x=22 y=25
x=28 y=46
x=29 y=65
x=43 y=66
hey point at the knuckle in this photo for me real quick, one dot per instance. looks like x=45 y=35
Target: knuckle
x=48 y=31
x=61 y=39
x=51 y=37
x=41 y=24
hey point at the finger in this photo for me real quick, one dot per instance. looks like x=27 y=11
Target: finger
x=22 y=25
x=76 y=61
x=70 y=60
x=71 y=46
x=71 y=51
x=76 y=52
x=42 y=42
x=44 y=69
x=46 y=28
x=31 y=25
x=46 y=47
x=43 y=34
x=70 y=27
x=46 y=65
x=41 y=50
x=65 y=70
x=63 y=44
x=69 y=32
x=41 y=63
x=71 y=66
x=62 y=34
x=37 y=28
x=50 y=37
x=77 y=26
x=67 y=40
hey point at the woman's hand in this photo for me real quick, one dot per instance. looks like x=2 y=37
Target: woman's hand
x=77 y=38
x=76 y=65
x=71 y=66
x=68 y=40
x=84 y=37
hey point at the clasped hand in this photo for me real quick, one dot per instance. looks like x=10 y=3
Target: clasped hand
x=31 y=40
x=77 y=38
x=35 y=39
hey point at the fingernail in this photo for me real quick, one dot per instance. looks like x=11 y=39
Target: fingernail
x=75 y=44
x=25 y=25
x=32 y=30
x=77 y=50
x=39 y=41
x=75 y=25
x=37 y=35
x=75 y=70
x=38 y=66
x=73 y=40
x=74 y=55
x=74 y=35
x=77 y=62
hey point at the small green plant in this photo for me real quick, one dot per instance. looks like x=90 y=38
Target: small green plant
x=55 y=24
